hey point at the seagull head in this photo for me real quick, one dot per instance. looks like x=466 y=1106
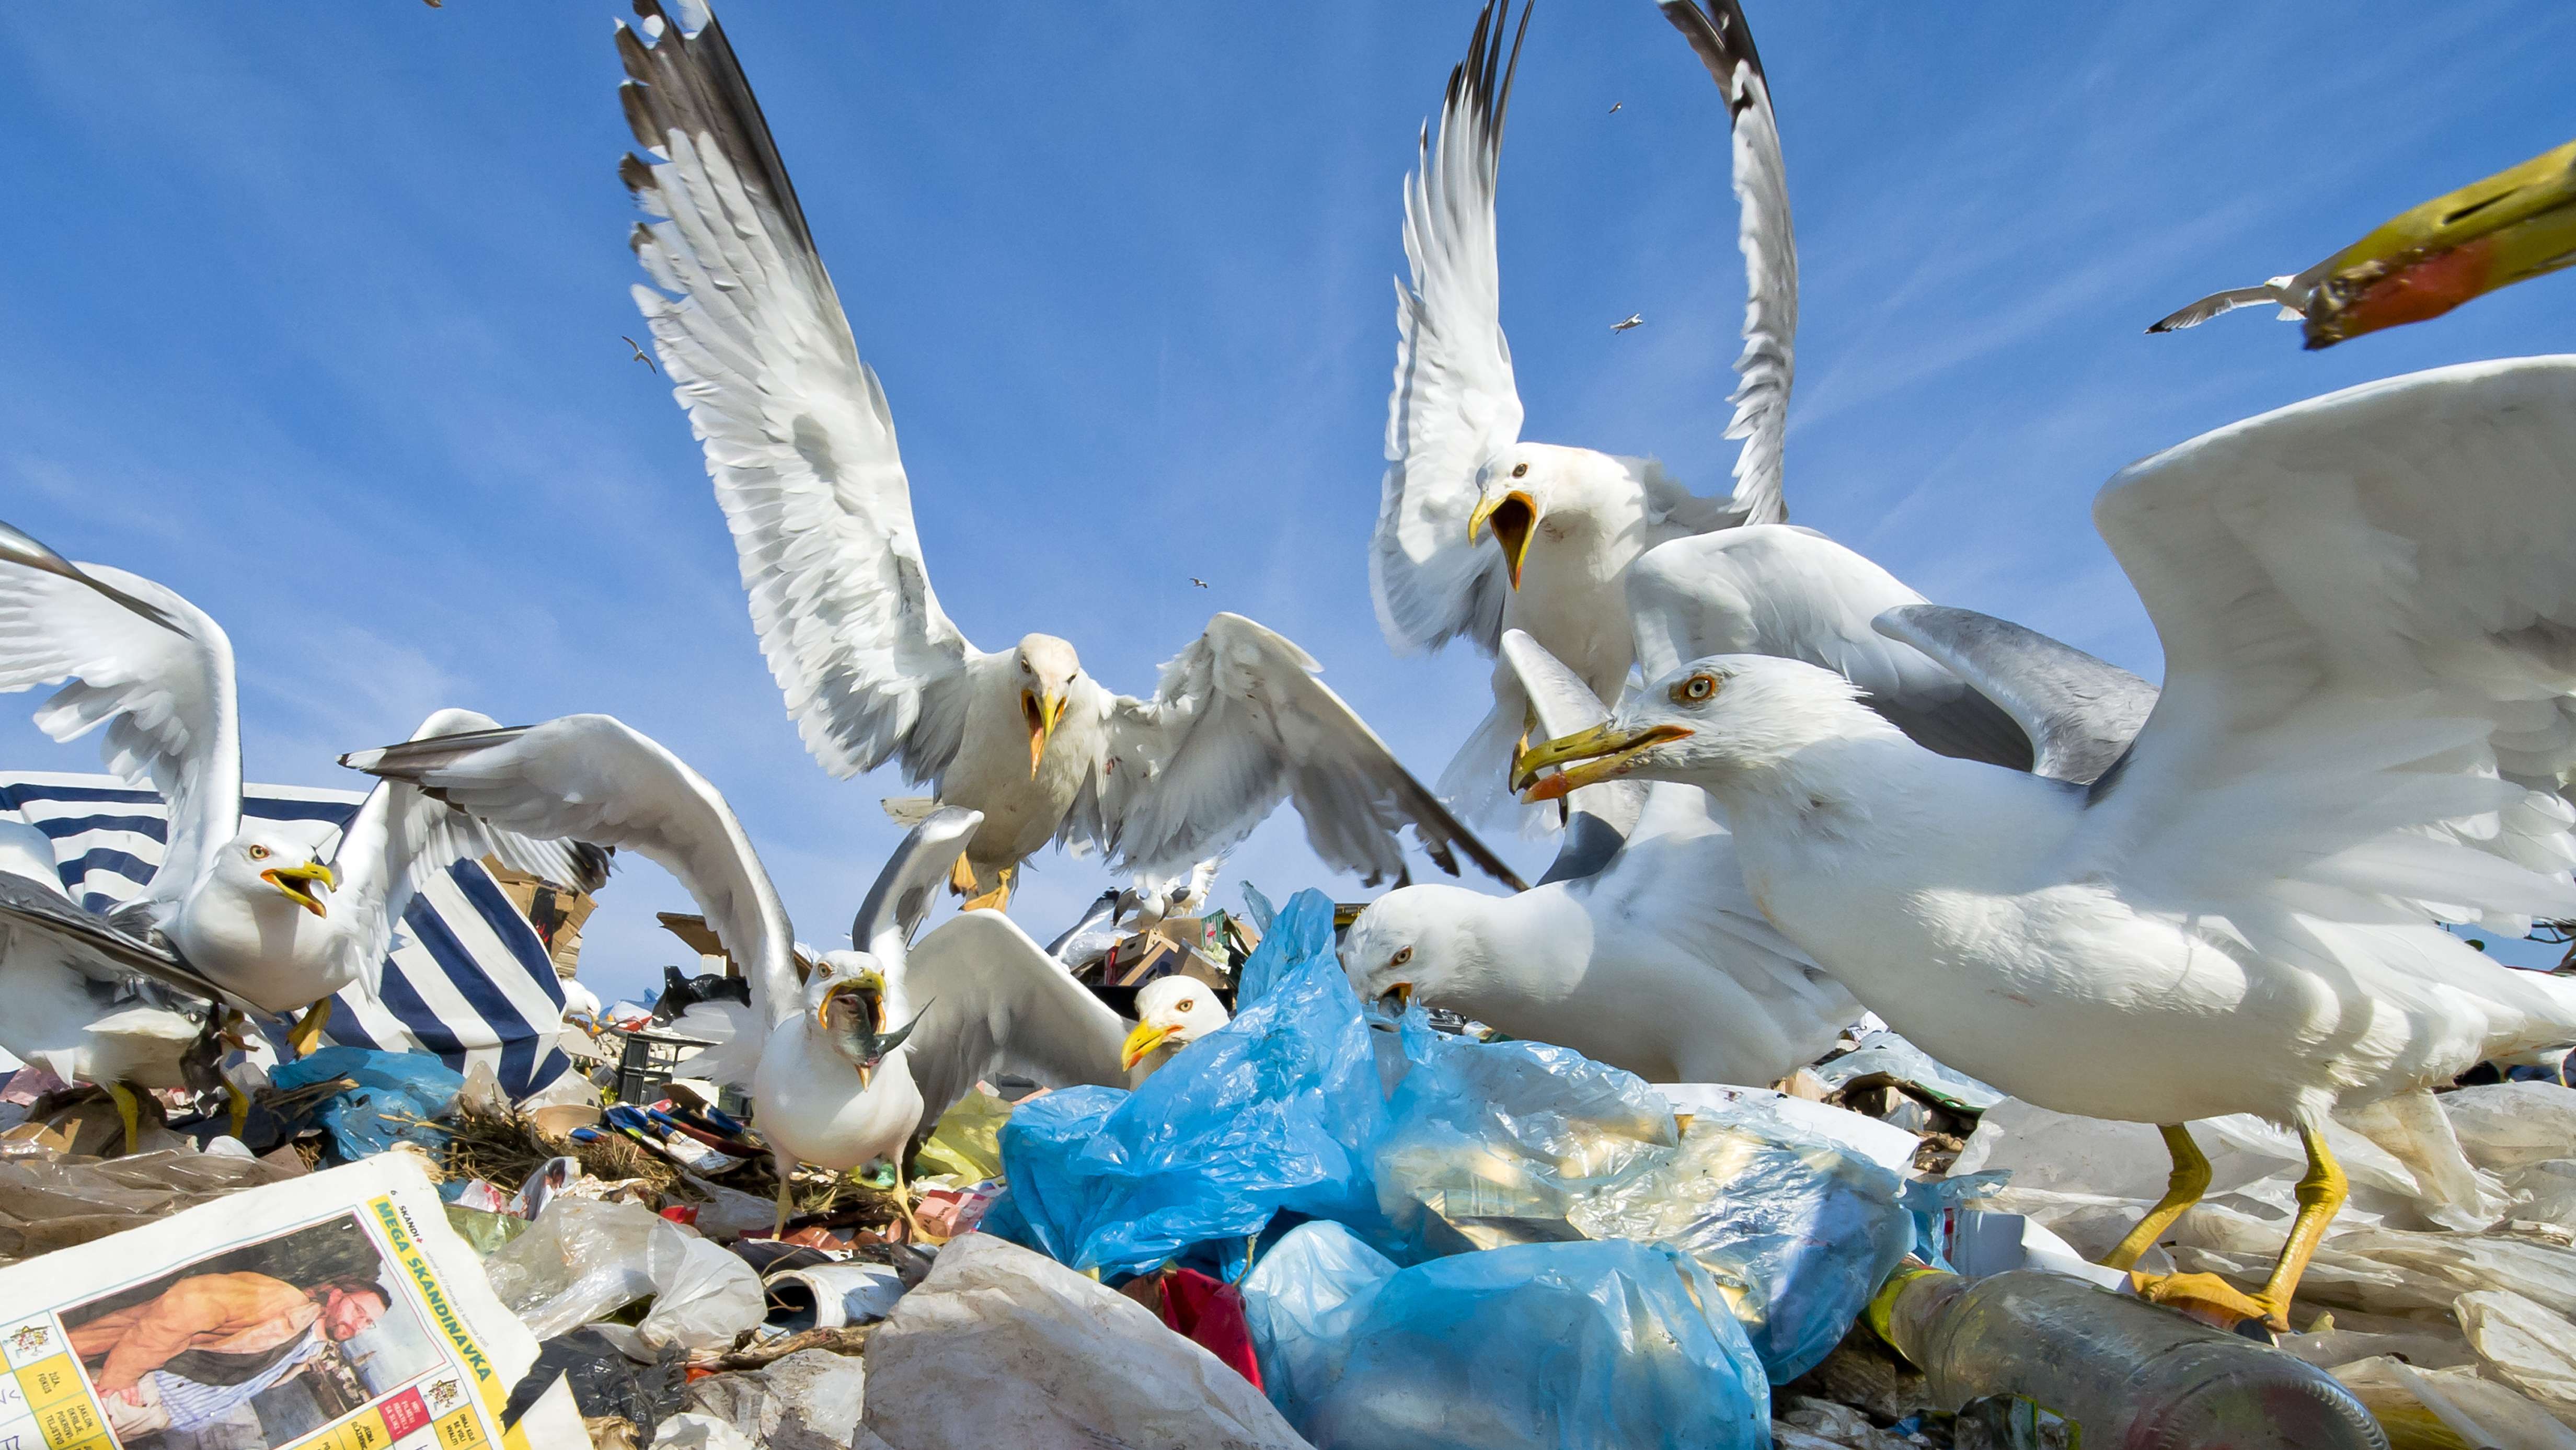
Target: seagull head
x=271 y=863
x=1046 y=670
x=1411 y=944
x=1710 y=720
x=848 y=996
x=1532 y=490
x=1171 y=1011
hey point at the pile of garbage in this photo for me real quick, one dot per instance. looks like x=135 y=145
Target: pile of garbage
x=1323 y=1227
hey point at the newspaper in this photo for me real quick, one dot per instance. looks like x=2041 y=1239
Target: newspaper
x=332 y=1312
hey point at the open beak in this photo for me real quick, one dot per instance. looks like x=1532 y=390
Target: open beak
x=1396 y=998
x=1611 y=751
x=294 y=879
x=1143 y=1040
x=1512 y=515
x=2516 y=224
x=1042 y=712
x=866 y=1042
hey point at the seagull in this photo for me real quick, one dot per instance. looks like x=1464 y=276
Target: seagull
x=2512 y=226
x=640 y=355
x=1633 y=319
x=1198 y=582
x=2369 y=625
x=252 y=907
x=1656 y=960
x=848 y=1064
x=800 y=443
x=1615 y=105
x=1566 y=522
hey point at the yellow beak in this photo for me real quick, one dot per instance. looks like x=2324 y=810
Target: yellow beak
x=1042 y=713
x=1512 y=515
x=1143 y=1040
x=1402 y=992
x=2516 y=224
x=1610 y=749
x=279 y=876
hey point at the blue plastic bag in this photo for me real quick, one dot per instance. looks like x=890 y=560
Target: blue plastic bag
x=397 y=1093
x=1535 y=1347
x=1276 y=1110
x=1797 y=1231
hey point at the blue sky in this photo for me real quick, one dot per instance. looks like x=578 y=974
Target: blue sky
x=314 y=314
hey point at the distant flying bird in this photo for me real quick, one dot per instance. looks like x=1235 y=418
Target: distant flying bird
x=2516 y=224
x=1633 y=319
x=1201 y=583
x=621 y=337
x=1615 y=105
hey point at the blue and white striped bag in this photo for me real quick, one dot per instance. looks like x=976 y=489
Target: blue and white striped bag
x=468 y=980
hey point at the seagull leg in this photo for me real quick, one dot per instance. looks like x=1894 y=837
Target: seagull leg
x=2190 y=1179
x=2320 y=1194
x=128 y=1110
x=237 y=1113
x=903 y=1201
x=997 y=899
x=307 y=1031
x=961 y=878
x=786 y=1167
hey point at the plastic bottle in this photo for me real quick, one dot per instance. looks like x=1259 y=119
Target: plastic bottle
x=2133 y=1375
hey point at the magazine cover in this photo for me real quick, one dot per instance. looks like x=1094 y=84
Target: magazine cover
x=334 y=1312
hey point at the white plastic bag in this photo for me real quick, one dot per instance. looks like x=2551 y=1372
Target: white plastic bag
x=582 y=1260
x=2524 y=1345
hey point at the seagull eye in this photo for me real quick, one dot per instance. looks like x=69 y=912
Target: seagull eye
x=259 y=853
x=1401 y=957
x=1695 y=689
x=1184 y=1007
x=1520 y=470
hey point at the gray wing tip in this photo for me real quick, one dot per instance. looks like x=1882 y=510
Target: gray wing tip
x=1723 y=39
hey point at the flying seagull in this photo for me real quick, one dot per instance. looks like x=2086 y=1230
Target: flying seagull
x=640 y=355
x=1633 y=319
x=2512 y=226
x=845 y=1065
x=1198 y=582
x=1566 y=522
x=800 y=443
x=2366 y=603
x=252 y=907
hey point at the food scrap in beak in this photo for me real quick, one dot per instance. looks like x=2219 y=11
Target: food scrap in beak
x=294 y=881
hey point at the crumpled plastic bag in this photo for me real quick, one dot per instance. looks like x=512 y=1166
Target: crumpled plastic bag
x=1797 y=1231
x=1885 y=1053
x=50 y=1202
x=1536 y=1345
x=396 y=1096
x=2410 y=1403
x=583 y=1259
x=1509 y=1129
x=1275 y=1110
x=1001 y=1347
x=2523 y=1344
x=809 y=1400
x=968 y=1140
x=2511 y=1124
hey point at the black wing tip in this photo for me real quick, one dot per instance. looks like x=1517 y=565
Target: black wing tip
x=1723 y=38
x=1484 y=79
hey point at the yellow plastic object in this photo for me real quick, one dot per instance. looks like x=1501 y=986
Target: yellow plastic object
x=968 y=1140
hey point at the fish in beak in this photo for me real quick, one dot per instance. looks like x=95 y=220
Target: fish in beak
x=294 y=881
x=1143 y=1040
x=1042 y=713
x=1611 y=751
x=1512 y=516
x=862 y=1037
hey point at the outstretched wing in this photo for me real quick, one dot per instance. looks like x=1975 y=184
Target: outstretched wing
x=1239 y=723
x=798 y=437
x=2368 y=609
x=594 y=778
x=1717 y=30
x=2079 y=712
x=1777 y=589
x=1454 y=403
x=151 y=667
x=100 y=950
x=907 y=886
x=992 y=1001
x=1600 y=816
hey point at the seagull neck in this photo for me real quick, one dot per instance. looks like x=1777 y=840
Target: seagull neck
x=1822 y=789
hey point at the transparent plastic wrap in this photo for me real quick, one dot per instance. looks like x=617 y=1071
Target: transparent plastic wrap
x=2526 y=1345
x=49 y=1202
x=2425 y=1408
x=582 y=1260
x=1510 y=1129
x=1275 y=1110
x=1797 y=1232
x=1524 y=1348
x=2511 y=1124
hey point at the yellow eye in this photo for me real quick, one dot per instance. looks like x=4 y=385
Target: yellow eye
x=1520 y=470
x=1401 y=957
x=1695 y=689
x=259 y=853
x=1185 y=1005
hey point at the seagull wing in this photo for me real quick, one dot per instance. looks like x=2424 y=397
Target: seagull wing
x=1239 y=723
x=990 y=1000
x=1717 y=30
x=402 y=837
x=2368 y=608
x=1777 y=589
x=594 y=778
x=798 y=437
x=2080 y=712
x=100 y=950
x=162 y=686
x=907 y=886
x=1454 y=403
x=2221 y=302
x=1599 y=817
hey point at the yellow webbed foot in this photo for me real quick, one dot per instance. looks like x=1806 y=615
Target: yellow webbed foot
x=997 y=899
x=961 y=878
x=128 y=1112
x=2209 y=1298
x=306 y=1034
